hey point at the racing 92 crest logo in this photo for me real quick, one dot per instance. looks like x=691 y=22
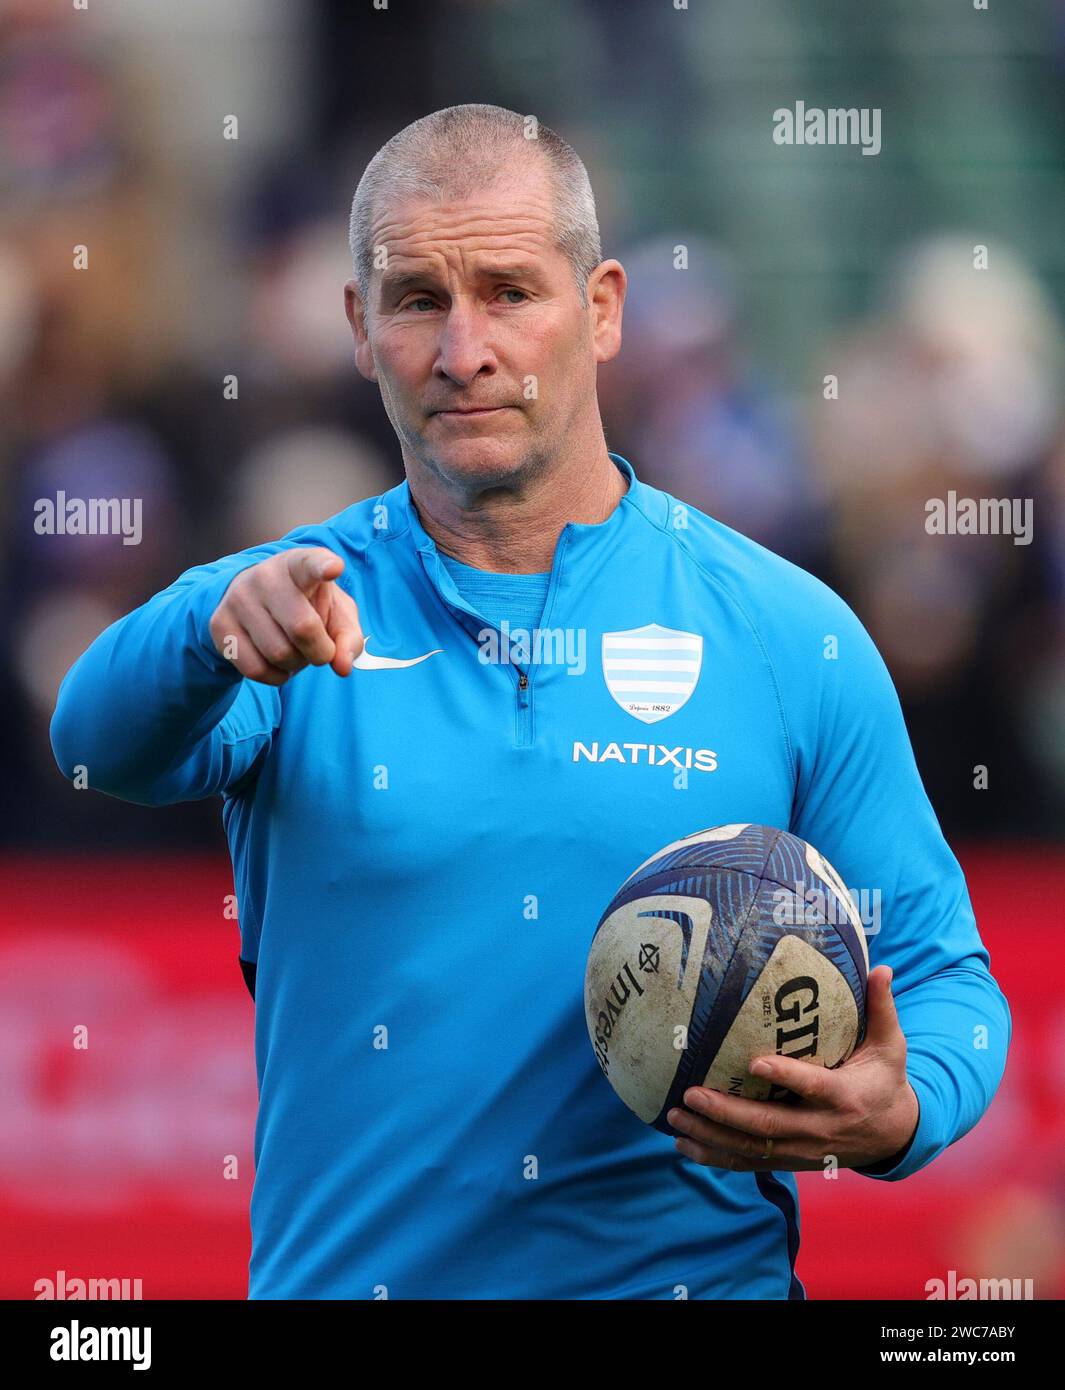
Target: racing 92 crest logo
x=652 y=671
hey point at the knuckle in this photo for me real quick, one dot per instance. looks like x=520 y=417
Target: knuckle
x=279 y=654
x=244 y=580
x=306 y=628
x=772 y=1127
x=850 y=1102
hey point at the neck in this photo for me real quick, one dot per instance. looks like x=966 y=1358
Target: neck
x=515 y=530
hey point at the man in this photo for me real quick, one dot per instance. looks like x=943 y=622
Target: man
x=427 y=819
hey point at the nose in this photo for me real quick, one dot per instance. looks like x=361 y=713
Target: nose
x=464 y=349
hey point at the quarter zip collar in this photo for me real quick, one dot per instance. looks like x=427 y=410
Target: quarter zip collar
x=575 y=538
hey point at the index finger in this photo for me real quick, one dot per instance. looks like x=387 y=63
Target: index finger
x=773 y=1117
x=310 y=566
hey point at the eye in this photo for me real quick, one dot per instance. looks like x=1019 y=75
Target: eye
x=421 y=299
x=524 y=296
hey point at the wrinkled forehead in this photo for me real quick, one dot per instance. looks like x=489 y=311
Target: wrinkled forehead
x=514 y=218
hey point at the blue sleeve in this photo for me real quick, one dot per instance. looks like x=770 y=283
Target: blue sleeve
x=152 y=713
x=860 y=801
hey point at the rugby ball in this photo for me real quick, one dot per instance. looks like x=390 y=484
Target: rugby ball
x=734 y=942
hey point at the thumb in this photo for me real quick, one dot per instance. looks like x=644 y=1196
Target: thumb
x=882 y=1028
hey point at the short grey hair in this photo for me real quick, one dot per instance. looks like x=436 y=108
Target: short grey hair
x=460 y=150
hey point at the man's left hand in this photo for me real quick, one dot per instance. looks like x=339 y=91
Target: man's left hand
x=858 y=1114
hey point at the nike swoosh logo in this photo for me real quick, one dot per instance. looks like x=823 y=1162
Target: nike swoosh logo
x=366 y=661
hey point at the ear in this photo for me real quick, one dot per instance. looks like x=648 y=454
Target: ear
x=606 y=298
x=355 y=309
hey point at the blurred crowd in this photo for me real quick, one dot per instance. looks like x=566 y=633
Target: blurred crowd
x=214 y=261
x=950 y=383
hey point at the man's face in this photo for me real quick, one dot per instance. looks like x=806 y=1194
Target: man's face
x=475 y=332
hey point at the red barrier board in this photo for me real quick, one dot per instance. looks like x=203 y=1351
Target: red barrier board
x=129 y=1096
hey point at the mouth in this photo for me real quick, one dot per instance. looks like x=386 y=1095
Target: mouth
x=465 y=414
